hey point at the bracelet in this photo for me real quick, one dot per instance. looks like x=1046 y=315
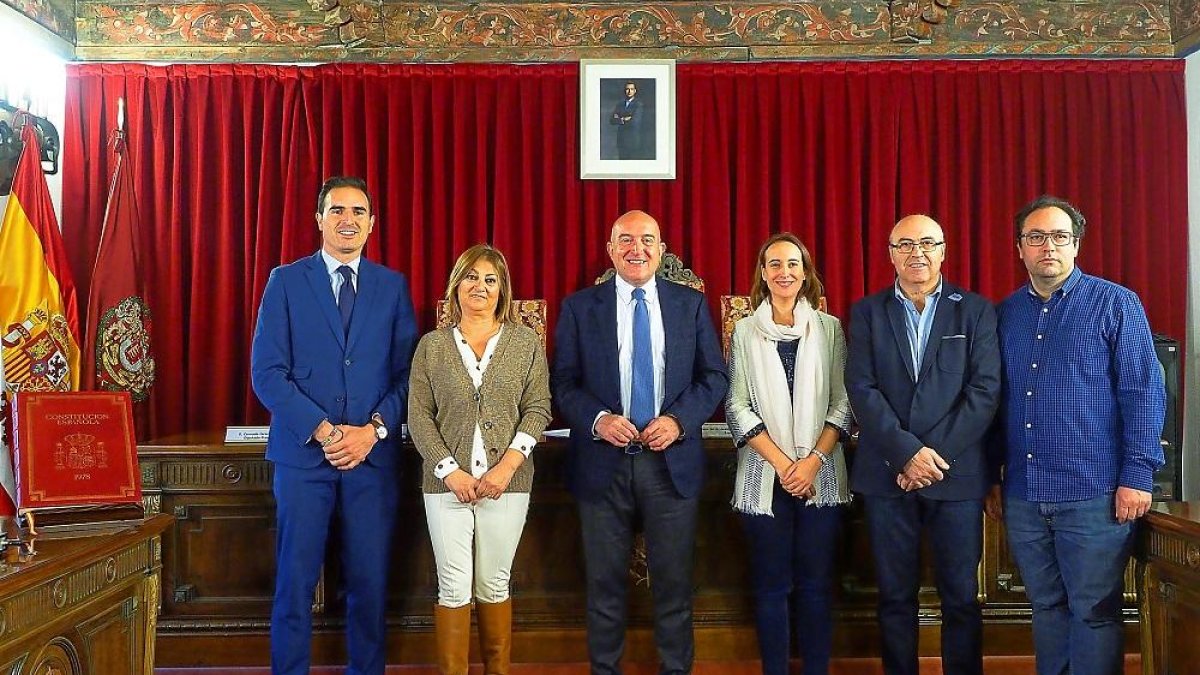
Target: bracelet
x=821 y=456
x=333 y=436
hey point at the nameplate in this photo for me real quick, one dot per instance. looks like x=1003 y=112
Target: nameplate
x=246 y=434
x=715 y=430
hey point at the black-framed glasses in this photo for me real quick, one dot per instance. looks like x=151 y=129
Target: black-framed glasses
x=634 y=448
x=1059 y=237
x=907 y=246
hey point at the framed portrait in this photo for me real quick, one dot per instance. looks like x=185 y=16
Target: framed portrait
x=627 y=118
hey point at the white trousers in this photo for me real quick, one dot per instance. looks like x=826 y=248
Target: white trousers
x=474 y=542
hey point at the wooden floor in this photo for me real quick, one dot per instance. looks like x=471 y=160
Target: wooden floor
x=992 y=665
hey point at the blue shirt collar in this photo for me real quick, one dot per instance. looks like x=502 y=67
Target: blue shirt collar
x=332 y=264
x=1068 y=285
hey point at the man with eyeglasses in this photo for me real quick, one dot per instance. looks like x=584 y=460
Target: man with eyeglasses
x=923 y=375
x=1077 y=441
x=635 y=453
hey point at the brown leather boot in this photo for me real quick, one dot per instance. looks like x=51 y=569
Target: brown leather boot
x=495 y=636
x=452 y=629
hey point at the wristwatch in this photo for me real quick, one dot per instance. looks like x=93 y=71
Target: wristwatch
x=381 y=430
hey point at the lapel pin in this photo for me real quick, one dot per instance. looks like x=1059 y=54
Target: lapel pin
x=955 y=297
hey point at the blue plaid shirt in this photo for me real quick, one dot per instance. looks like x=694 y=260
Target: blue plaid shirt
x=1083 y=400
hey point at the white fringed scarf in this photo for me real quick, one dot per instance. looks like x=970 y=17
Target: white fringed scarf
x=793 y=425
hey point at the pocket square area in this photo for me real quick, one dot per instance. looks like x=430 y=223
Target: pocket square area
x=960 y=336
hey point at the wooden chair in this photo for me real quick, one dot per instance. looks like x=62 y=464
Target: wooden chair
x=737 y=307
x=530 y=313
x=671 y=269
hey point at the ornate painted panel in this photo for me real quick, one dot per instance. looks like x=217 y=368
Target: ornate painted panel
x=516 y=30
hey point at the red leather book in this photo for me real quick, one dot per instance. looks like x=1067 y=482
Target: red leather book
x=75 y=449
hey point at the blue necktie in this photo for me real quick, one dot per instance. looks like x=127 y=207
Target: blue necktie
x=641 y=398
x=346 y=296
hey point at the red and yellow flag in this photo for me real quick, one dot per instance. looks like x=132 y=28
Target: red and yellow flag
x=39 y=317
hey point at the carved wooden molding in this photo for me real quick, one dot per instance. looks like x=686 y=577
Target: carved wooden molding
x=395 y=30
x=356 y=21
x=25 y=611
x=218 y=475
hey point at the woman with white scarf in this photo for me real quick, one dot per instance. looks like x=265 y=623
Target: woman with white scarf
x=787 y=410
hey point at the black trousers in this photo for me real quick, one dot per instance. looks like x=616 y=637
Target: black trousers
x=641 y=492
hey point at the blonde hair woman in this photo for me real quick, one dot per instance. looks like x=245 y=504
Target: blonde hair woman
x=479 y=398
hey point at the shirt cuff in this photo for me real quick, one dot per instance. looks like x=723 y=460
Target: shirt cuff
x=758 y=429
x=602 y=413
x=1138 y=477
x=523 y=443
x=445 y=468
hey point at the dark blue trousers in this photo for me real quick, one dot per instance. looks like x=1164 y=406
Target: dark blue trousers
x=641 y=491
x=793 y=555
x=955 y=530
x=363 y=502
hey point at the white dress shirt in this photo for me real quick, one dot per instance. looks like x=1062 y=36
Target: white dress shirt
x=625 y=304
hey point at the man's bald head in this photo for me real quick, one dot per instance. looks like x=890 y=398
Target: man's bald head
x=635 y=247
x=918 y=270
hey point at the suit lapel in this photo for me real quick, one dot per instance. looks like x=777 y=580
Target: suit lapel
x=368 y=288
x=895 y=314
x=672 y=315
x=318 y=279
x=946 y=307
x=603 y=325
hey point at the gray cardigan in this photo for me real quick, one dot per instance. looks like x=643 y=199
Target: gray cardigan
x=443 y=409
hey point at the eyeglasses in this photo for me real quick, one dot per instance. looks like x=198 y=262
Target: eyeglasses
x=1059 y=237
x=635 y=448
x=907 y=246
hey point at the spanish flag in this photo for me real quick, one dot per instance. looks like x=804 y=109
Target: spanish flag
x=39 y=317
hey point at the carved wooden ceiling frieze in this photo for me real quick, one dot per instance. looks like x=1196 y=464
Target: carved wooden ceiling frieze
x=395 y=30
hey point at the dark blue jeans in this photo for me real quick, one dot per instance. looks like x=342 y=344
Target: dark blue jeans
x=955 y=530
x=793 y=556
x=1072 y=558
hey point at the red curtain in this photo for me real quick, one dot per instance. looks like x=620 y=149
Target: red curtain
x=227 y=161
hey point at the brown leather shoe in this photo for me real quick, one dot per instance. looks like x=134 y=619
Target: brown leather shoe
x=452 y=629
x=495 y=636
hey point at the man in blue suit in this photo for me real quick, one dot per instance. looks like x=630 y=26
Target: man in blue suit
x=923 y=375
x=330 y=362
x=629 y=121
x=637 y=370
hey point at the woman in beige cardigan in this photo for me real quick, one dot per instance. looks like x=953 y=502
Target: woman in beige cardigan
x=479 y=398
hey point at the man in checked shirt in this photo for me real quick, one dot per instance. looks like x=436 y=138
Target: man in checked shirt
x=1078 y=436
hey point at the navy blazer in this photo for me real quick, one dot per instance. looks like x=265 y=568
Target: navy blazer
x=586 y=380
x=949 y=408
x=305 y=368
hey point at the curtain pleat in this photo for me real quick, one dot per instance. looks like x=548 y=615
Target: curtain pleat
x=227 y=161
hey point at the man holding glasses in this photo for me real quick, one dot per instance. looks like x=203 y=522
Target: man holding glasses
x=635 y=453
x=923 y=376
x=1081 y=418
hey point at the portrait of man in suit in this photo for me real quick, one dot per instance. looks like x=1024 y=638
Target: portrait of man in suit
x=923 y=376
x=330 y=361
x=628 y=131
x=637 y=370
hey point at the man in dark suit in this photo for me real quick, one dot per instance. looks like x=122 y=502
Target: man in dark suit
x=629 y=119
x=637 y=370
x=330 y=361
x=923 y=375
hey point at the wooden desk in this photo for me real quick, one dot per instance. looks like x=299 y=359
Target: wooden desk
x=84 y=605
x=219 y=570
x=1169 y=553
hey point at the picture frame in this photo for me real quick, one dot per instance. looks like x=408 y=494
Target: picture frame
x=627 y=119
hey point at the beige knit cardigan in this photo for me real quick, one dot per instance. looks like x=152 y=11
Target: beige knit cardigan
x=443 y=406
